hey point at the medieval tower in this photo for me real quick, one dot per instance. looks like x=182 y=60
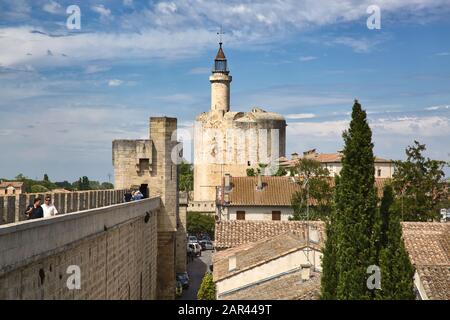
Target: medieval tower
x=229 y=142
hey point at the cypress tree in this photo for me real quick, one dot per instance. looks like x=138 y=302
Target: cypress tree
x=329 y=277
x=356 y=205
x=396 y=270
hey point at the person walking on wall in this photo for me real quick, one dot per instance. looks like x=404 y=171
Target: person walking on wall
x=127 y=196
x=48 y=208
x=34 y=211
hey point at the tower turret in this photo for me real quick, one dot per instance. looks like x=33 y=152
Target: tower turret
x=220 y=83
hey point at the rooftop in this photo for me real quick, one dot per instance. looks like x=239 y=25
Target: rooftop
x=257 y=253
x=233 y=233
x=276 y=191
x=428 y=246
x=14 y=184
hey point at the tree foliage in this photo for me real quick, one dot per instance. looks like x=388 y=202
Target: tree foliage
x=315 y=186
x=186 y=177
x=199 y=223
x=351 y=240
x=207 y=289
x=397 y=271
x=418 y=184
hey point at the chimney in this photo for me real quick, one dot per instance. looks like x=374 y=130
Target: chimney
x=306 y=272
x=231 y=263
x=260 y=183
x=227 y=182
x=294 y=156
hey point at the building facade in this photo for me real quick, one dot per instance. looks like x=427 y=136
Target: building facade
x=231 y=142
x=11 y=188
x=384 y=168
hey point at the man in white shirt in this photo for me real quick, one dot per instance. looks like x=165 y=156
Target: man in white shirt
x=49 y=208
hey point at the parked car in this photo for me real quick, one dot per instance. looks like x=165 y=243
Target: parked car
x=206 y=245
x=196 y=248
x=192 y=239
x=184 y=279
x=179 y=289
x=205 y=237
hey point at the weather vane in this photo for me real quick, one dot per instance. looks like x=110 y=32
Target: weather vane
x=220 y=34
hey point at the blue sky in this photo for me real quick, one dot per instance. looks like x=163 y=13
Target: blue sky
x=65 y=95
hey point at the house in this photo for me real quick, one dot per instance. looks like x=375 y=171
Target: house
x=11 y=188
x=384 y=168
x=283 y=267
x=428 y=246
x=264 y=198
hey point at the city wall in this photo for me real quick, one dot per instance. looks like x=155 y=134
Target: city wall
x=12 y=208
x=114 y=247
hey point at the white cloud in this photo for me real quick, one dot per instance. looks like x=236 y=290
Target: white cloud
x=358 y=45
x=101 y=10
x=308 y=58
x=301 y=116
x=91 y=69
x=434 y=108
x=115 y=82
x=166 y=7
x=52 y=7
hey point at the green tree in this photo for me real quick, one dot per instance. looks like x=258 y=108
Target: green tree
x=329 y=279
x=38 y=189
x=352 y=233
x=397 y=271
x=106 y=186
x=207 y=289
x=46 y=177
x=314 y=181
x=251 y=172
x=186 y=177
x=418 y=184
x=198 y=223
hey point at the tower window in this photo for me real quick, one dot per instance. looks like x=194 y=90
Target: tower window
x=379 y=172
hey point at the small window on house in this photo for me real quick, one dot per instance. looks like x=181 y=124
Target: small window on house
x=249 y=163
x=240 y=215
x=276 y=215
x=13 y=191
x=379 y=172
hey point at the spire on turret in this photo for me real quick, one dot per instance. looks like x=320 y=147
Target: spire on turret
x=220 y=63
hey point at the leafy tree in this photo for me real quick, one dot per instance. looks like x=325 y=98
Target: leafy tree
x=397 y=271
x=281 y=172
x=315 y=186
x=207 y=289
x=38 y=189
x=64 y=185
x=354 y=217
x=198 y=223
x=418 y=184
x=251 y=172
x=186 y=177
x=329 y=279
x=106 y=186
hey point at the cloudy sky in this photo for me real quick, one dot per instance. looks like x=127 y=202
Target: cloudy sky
x=66 y=94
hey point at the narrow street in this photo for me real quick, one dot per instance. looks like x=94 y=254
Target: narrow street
x=196 y=270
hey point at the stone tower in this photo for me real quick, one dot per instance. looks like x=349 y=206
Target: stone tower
x=148 y=165
x=228 y=142
x=220 y=84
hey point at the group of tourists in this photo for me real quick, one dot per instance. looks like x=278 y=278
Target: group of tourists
x=134 y=195
x=38 y=210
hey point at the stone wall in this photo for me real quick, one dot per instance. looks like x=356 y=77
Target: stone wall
x=115 y=248
x=148 y=164
x=12 y=208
